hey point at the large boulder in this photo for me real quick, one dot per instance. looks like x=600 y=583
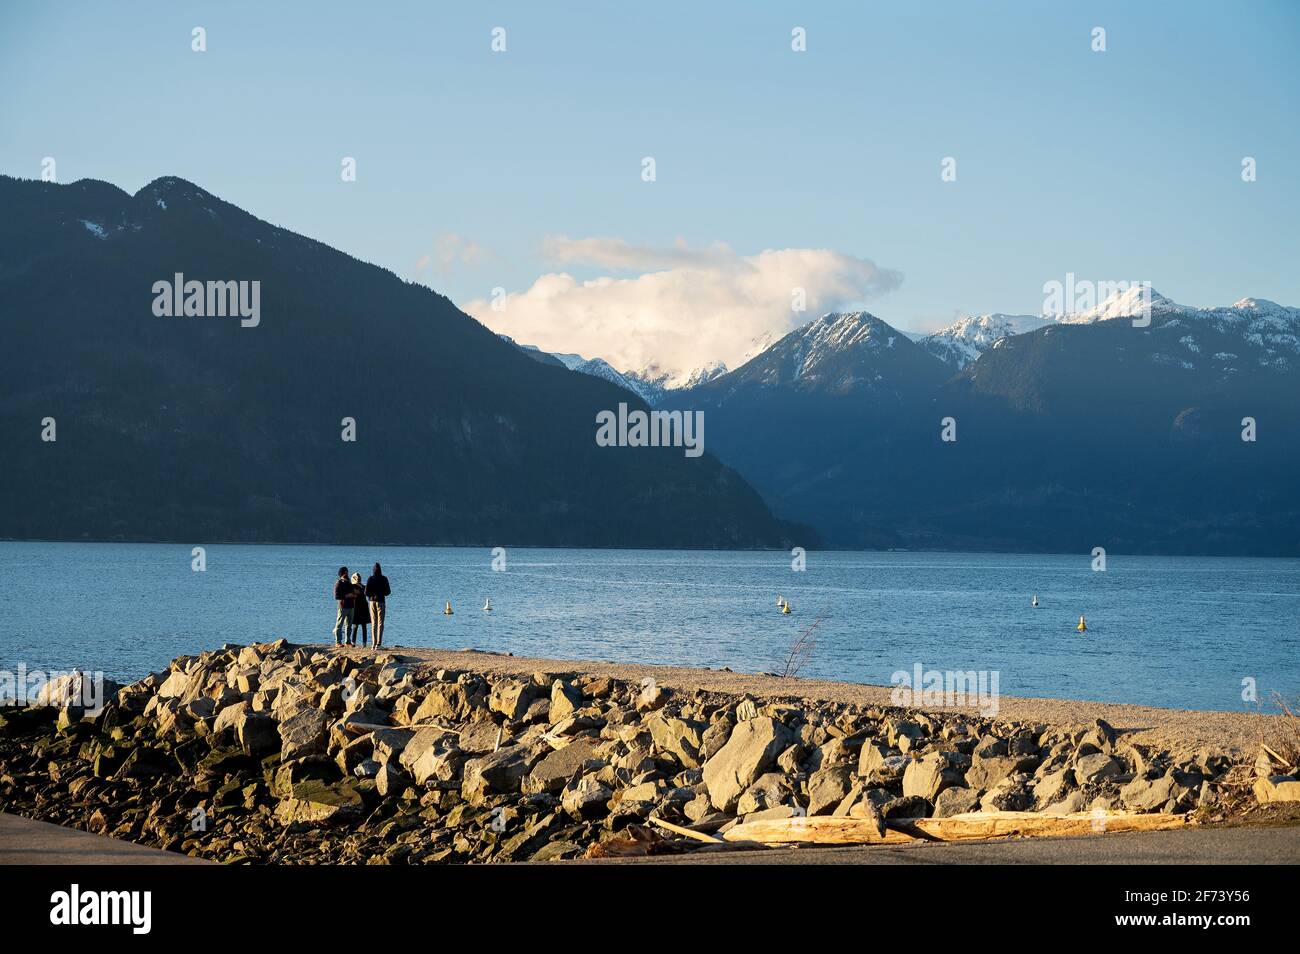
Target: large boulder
x=511 y=698
x=321 y=803
x=227 y=722
x=481 y=735
x=1012 y=794
x=554 y=770
x=316 y=768
x=1074 y=801
x=827 y=787
x=565 y=701
x=1053 y=786
x=677 y=736
x=770 y=790
x=880 y=765
x=390 y=743
x=175 y=686
x=497 y=772
x=751 y=751
x=956 y=801
x=714 y=738
x=439 y=765
x=258 y=733
x=444 y=700
x=1097 y=768
x=1101 y=737
x=424 y=739
x=304 y=733
x=930 y=775
x=989 y=766
x=586 y=797
x=75 y=690
x=1149 y=795
x=871 y=757
x=293 y=699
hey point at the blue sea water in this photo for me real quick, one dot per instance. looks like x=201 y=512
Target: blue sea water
x=1181 y=632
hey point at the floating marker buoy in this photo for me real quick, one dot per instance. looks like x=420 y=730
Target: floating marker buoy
x=487 y=605
x=1035 y=602
x=1083 y=627
x=785 y=608
x=780 y=601
x=447 y=609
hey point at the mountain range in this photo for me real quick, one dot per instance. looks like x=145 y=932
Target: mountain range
x=1069 y=434
x=202 y=429
x=1081 y=431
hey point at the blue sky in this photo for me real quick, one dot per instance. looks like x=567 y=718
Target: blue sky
x=1122 y=165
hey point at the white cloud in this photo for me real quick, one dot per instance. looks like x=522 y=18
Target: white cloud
x=687 y=308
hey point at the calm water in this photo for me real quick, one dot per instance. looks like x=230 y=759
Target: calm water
x=1165 y=631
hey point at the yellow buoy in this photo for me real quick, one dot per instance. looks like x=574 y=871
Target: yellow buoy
x=1082 y=625
x=785 y=608
x=447 y=610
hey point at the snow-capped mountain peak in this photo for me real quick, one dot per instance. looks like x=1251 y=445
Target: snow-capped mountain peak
x=840 y=353
x=971 y=335
x=1128 y=303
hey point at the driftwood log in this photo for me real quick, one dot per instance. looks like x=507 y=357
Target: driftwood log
x=971 y=826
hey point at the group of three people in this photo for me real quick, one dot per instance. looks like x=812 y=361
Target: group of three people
x=360 y=606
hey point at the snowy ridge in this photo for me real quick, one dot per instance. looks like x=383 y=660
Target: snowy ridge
x=971 y=335
x=600 y=368
x=1125 y=304
x=1262 y=333
x=654 y=376
x=836 y=333
x=651 y=384
x=834 y=351
x=1265 y=327
x=840 y=353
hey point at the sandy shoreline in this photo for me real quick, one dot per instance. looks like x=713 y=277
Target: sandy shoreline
x=1182 y=731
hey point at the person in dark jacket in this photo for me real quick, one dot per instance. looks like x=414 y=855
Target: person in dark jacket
x=344 y=597
x=377 y=589
x=360 y=612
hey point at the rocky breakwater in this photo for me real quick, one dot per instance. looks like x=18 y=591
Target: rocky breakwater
x=289 y=754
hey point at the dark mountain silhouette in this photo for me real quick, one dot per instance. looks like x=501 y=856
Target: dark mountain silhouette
x=1080 y=434
x=197 y=429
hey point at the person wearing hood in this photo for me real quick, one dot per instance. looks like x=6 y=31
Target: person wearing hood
x=360 y=612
